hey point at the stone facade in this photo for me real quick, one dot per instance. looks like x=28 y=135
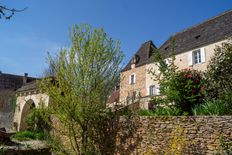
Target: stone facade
x=157 y=135
x=193 y=48
x=9 y=83
x=127 y=89
x=144 y=79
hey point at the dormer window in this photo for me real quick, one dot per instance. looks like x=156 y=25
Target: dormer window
x=197 y=37
x=135 y=59
x=166 y=48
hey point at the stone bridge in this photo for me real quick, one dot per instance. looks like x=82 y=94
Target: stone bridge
x=28 y=97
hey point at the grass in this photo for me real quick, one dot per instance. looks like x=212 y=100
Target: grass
x=161 y=111
x=216 y=107
x=29 y=135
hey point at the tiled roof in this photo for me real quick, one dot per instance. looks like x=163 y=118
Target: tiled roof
x=213 y=30
x=10 y=81
x=28 y=87
x=210 y=31
x=144 y=54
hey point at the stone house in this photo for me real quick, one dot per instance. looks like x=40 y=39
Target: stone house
x=9 y=83
x=193 y=48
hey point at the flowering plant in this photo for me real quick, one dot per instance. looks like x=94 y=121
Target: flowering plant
x=185 y=89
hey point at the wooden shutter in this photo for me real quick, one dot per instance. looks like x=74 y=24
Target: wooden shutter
x=190 y=58
x=202 y=54
x=157 y=68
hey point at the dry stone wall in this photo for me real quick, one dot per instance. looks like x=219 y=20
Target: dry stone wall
x=160 y=135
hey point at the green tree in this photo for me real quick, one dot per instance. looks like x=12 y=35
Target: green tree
x=180 y=90
x=85 y=76
x=219 y=73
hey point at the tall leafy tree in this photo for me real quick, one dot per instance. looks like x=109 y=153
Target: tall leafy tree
x=85 y=76
x=219 y=73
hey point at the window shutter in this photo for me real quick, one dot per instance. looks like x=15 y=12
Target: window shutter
x=190 y=58
x=202 y=54
x=167 y=61
x=148 y=90
x=157 y=90
x=130 y=79
x=134 y=78
x=157 y=68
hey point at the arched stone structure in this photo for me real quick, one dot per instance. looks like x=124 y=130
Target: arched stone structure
x=28 y=106
x=27 y=96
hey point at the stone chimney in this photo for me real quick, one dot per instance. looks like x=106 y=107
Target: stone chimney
x=25 y=78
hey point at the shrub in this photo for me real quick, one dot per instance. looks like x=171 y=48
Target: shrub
x=145 y=112
x=219 y=73
x=29 y=135
x=180 y=88
x=216 y=107
x=167 y=111
x=160 y=111
x=185 y=89
x=38 y=119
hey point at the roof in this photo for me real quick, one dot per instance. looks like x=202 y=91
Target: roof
x=144 y=54
x=10 y=81
x=28 y=87
x=213 y=30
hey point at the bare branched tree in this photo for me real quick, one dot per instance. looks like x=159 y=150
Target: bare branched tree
x=8 y=13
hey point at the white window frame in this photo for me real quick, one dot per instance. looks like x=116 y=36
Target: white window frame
x=197 y=57
x=134 y=81
x=153 y=90
x=200 y=56
x=167 y=61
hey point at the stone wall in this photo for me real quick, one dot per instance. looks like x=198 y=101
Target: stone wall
x=157 y=135
x=6 y=119
x=6 y=108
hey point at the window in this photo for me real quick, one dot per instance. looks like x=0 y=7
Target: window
x=154 y=90
x=132 y=79
x=197 y=56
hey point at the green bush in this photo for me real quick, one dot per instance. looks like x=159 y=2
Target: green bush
x=167 y=111
x=219 y=73
x=160 y=111
x=182 y=89
x=38 y=120
x=144 y=112
x=216 y=107
x=185 y=89
x=29 y=135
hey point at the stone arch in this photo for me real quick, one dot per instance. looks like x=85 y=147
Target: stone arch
x=28 y=106
x=22 y=104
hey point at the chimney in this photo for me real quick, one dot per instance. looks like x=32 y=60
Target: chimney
x=25 y=78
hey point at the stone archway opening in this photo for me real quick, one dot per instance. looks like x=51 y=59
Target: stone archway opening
x=29 y=105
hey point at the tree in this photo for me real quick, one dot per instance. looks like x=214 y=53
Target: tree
x=219 y=73
x=180 y=90
x=8 y=13
x=85 y=75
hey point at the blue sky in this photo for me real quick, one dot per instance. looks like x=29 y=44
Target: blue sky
x=44 y=26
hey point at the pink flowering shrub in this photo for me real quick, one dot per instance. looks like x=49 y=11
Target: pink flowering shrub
x=184 y=89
